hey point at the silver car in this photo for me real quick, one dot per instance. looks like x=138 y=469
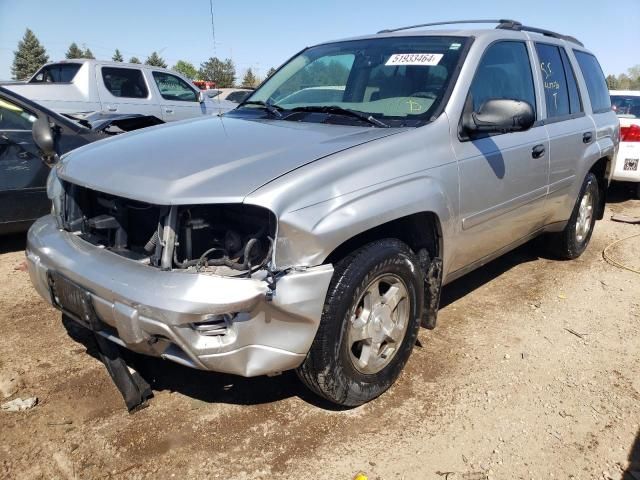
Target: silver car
x=315 y=231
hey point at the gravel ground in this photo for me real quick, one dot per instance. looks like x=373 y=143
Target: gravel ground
x=533 y=372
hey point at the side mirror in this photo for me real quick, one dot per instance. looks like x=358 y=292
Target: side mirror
x=201 y=96
x=500 y=116
x=43 y=137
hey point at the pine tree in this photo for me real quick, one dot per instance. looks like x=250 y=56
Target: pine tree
x=185 y=68
x=87 y=53
x=117 y=57
x=74 y=51
x=249 y=80
x=134 y=60
x=271 y=72
x=155 y=60
x=29 y=57
x=223 y=74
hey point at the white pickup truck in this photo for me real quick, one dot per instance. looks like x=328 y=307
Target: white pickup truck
x=83 y=85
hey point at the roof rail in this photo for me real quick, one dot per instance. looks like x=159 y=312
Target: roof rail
x=503 y=24
x=548 y=33
x=453 y=22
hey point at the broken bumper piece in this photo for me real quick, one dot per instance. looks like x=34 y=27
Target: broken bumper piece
x=222 y=324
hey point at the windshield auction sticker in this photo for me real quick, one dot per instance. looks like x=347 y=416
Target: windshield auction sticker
x=423 y=59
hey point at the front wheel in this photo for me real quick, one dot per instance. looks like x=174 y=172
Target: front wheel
x=573 y=240
x=369 y=324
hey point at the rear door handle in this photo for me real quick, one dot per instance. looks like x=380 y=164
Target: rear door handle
x=112 y=109
x=587 y=137
x=168 y=110
x=537 y=151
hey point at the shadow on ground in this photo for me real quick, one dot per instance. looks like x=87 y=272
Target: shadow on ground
x=210 y=387
x=13 y=243
x=633 y=472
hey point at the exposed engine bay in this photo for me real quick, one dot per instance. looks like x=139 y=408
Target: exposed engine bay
x=228 y=239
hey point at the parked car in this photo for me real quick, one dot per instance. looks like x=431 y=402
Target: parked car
x=317 y=236
x=626 y=104
x=235 y=95
x=84 y=85
x=25 y=156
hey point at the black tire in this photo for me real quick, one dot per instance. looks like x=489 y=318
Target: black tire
x=328 y=369
x=566 y=245
x=638 y=191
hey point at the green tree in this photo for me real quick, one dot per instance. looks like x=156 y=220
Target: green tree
x=215 y=70
x=271 y=72
x=185 y=68
x=612 y=82
x=29 y=56
x=623 y=82
x=87 y=53
x=117 y=56
x=155 y=60
x=134 y=60
x=249 y=80
x=74 y=51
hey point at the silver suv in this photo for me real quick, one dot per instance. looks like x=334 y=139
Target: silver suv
x=313 y=227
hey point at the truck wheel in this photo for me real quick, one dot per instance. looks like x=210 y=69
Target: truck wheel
x=638 y=191
x=573 y=240
x=369 y=324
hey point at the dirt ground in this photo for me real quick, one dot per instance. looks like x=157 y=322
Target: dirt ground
x=532 y=372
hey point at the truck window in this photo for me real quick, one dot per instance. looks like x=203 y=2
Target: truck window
x=504 y=72
x=56 y=73
x=596 y=84
x=124 y=82
x=174 y=88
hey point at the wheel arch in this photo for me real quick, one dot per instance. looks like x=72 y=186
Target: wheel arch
x=420 y=230
x=602 y=170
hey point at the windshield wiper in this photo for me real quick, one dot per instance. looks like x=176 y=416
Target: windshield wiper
x=343 y=111
x=272 y=109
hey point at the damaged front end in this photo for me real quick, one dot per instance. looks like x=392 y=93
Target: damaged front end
x=194 y=284
x=231 y=240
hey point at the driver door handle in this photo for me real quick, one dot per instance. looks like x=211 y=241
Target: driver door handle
x=587 y=137
x=537 y=151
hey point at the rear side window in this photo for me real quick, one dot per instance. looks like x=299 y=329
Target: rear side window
x=556 y=91
x=504 y=72
x=174 y=88
x=124 y=82
x=237 y=97
x=596 y=84
x=575 y=102
x=56 y=73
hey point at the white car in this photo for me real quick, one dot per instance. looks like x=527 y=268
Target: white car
x=84 y=85
x=626 y=104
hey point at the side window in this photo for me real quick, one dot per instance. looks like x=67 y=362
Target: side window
x=504 y=72
x=124 y=82
x=174 y=88
x=57 y=73
x=596 y=84
x=556 y=91
x=575 y=103
x=14 y=117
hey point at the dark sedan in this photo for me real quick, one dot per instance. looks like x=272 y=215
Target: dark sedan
x=32 y=137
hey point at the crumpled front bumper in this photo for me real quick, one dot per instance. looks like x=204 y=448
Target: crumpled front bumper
x=152 y=311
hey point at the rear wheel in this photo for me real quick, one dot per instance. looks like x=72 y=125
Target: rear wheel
x=573 y=240
x=369 y=324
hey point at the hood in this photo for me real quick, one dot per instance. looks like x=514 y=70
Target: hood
x=211 y=160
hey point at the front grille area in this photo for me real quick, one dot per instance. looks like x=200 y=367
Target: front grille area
x=217 y=237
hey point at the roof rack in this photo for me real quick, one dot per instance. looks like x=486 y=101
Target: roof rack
x=453 y=22
x=503 y=24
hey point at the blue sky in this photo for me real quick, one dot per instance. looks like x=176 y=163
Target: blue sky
x=262 y=34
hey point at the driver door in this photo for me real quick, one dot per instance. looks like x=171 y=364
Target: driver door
x=503 y=177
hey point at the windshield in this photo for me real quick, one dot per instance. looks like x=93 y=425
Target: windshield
x=56 y=73
x=399 y=80
x=626 y=105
